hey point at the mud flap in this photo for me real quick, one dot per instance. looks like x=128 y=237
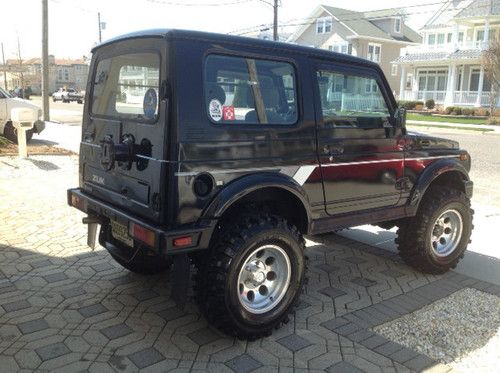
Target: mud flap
x=180 y=279
x=92 y=224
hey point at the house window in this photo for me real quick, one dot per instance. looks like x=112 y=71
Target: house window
x=440 y=39
x=394 y=70
x=432 y=80
x=324 y=25
x=449 y=37
x=340 y=47
x=460 y=36
x=409 y=81
x=374 y=52
x=397 y=25
x=480 y=35
x=431 y=39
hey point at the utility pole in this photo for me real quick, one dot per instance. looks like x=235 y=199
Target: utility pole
x=45 y=60
x=99 y=21
x=275 y=24
x=4 y=70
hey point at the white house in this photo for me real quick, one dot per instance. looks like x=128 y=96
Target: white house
x=447 y=66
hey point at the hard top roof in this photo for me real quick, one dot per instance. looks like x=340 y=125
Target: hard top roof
x=233 y=39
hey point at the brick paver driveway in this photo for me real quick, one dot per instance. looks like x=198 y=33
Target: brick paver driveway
x=65 y=307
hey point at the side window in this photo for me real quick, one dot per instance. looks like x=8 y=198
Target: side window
x=250 y=91
x=351 y=100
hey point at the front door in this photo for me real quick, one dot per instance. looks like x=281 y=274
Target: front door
x=361 y=161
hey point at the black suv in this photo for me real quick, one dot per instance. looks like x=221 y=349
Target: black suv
x=224 y=151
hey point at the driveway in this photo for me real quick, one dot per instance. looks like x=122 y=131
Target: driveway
x=65 y=308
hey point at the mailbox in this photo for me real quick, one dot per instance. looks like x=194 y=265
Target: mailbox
x=23 y=120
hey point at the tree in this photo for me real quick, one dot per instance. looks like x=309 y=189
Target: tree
x=491 y=62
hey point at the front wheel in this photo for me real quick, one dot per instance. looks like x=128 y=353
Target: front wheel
x=253 y=275
x=435 y=239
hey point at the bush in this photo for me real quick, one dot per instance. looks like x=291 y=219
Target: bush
x=430 y=104
x=468 y=111
x=409 y=105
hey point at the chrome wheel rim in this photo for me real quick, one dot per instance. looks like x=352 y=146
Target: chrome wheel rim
x=446 y=233
x=264 y=279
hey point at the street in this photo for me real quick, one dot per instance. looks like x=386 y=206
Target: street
x=68 y=113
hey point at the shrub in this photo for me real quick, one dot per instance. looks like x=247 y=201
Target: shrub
x=481 y=111
x=409 y=105
x=456 y=110
x=430 y=104
x=468 y=111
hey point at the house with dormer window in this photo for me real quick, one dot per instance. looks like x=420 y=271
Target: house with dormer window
x=447 y=66
x=376 y=35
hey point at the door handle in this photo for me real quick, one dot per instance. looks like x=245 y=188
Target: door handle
x=331 y=150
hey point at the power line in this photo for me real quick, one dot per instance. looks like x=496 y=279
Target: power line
x=165 y=2
x=255 y=28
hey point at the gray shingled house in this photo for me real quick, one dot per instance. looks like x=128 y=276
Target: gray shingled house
x=376 y=35
x=447 y=66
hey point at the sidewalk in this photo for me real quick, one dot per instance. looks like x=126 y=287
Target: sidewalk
x=65 y=136
x=490 y=128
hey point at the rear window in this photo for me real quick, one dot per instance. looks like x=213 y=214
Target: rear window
x=127 y=86
x=250 y=91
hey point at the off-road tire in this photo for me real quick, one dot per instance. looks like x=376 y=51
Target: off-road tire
x=414 y=234
x=216 y=281
x=10 y=132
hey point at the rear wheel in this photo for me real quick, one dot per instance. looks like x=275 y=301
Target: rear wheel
x=253 y=275
x=436 y=238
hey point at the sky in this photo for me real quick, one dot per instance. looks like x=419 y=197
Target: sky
x=73 y=25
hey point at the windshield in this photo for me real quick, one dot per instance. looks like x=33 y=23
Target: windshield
x=4 y=93
x=127 y=86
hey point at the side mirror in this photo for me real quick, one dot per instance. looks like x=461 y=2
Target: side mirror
x=400 y=117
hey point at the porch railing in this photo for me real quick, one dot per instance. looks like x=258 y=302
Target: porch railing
x=437 y=96
x=470 y=98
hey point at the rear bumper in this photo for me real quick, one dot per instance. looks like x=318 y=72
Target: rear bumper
x=164 y=237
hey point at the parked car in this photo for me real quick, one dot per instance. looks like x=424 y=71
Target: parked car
x=67 y=95
x=242 y=146
x=7 y=128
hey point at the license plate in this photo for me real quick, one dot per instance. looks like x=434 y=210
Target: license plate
x=120 y=232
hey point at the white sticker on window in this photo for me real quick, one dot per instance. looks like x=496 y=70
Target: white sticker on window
x=215 y=110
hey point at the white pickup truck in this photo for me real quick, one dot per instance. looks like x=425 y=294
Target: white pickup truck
x=7 y=128
x=67 y=95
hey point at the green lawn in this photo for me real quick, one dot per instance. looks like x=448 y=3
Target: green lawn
x=431 y=118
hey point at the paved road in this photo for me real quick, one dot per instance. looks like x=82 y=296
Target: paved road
x=69 y=113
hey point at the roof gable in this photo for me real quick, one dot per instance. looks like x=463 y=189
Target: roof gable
x=360 y=24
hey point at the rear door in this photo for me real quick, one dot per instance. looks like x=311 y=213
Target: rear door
x=360 y=157
x=126 y=114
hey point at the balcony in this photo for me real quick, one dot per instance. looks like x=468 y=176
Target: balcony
x=448 y=47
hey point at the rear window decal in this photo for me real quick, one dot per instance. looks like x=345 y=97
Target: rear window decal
x=228 y=112
x=149 y=103
x=215 y=110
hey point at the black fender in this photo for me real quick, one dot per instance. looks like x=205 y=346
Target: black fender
x=435 y=170
x=247 y=184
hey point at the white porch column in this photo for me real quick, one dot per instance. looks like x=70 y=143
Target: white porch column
x=486 y=35
x=414 y=84
x=450 y=86
x=402 y=83
x=480 y=87
x=454 y=40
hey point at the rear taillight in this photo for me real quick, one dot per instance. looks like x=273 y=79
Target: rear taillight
x=183 y=241
x=142 y=234
x=77 y=202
